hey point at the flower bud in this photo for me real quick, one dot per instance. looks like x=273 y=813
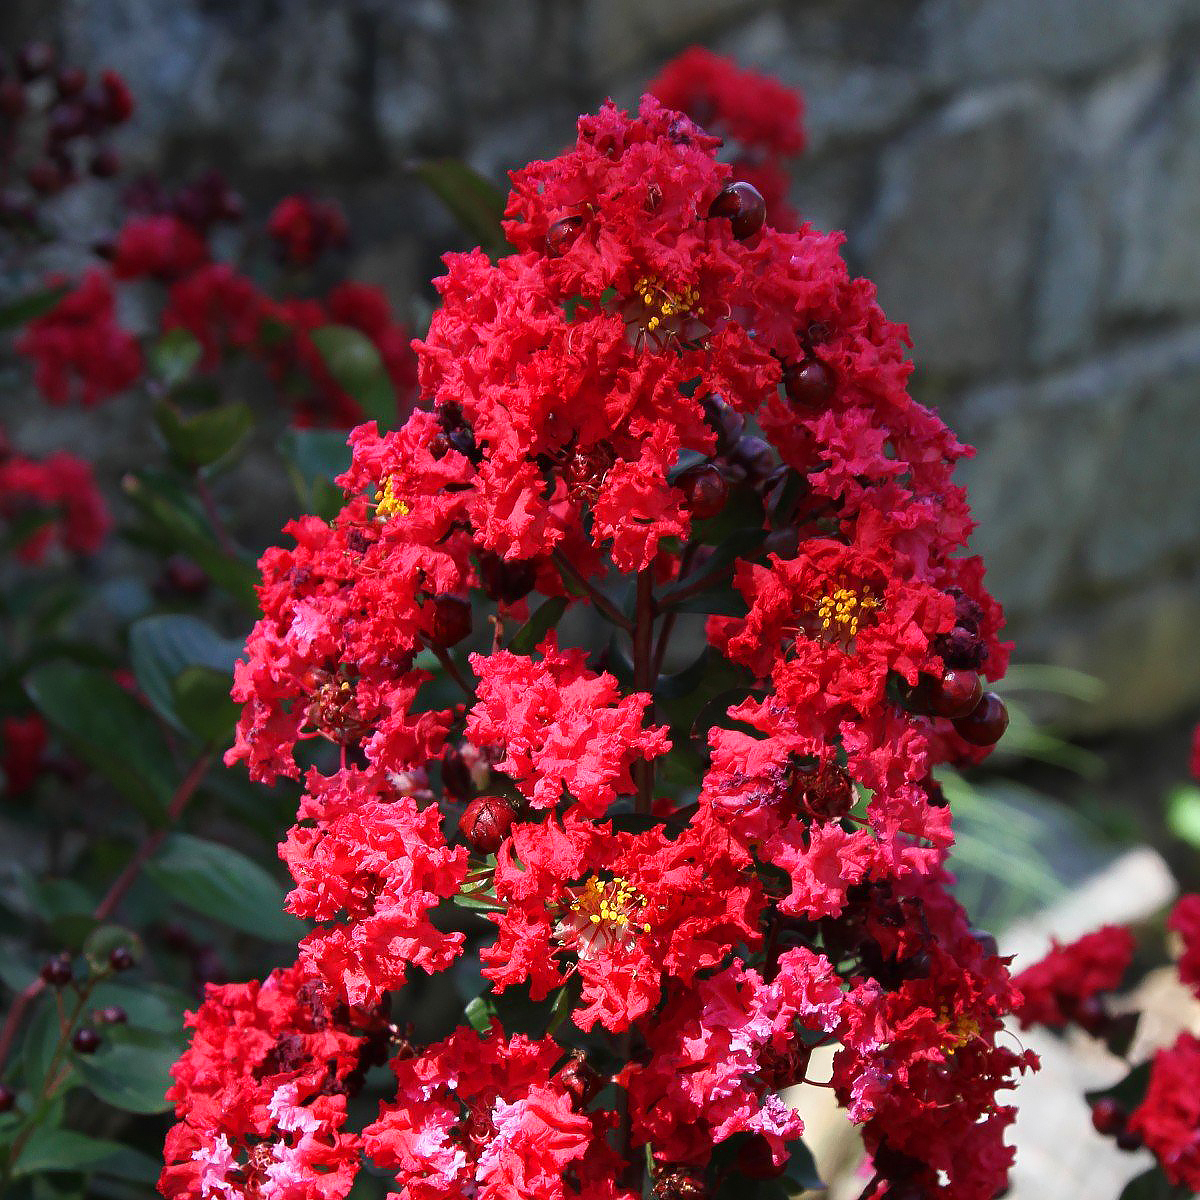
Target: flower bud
x=113 y=1014
x=743 y=204
x=809 y=384
x=957 y=694
x=35 y=59
x=7 y=1099
x=1109 y=1116
x=57 y=971
x=706 y=490
x=70 y=81
x=486 y=823
x=985 y=724
x=451 y=620
x=120 y=958
x=456 y=774
x=580 y=1081
x=754 y=1159
x=725 y=420
x=86 y=1041
x=560 y=237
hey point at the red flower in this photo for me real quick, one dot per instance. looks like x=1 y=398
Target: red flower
x=367 y=859
x=60 y=493
x=303 y=229
x=1185 y=920
x=24 y=743
x=259 y=1094
x=1053 y=989
x=157 y=247
x=220 y=308
x=1169 y=1116
x=564 y=731
x=80 y=338
x=481 y=1116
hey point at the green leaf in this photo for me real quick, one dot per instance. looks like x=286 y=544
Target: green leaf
x=223 y=884
x=29 y=308
x=109 y=729
x=515 y=1010
x=162 y=647
x=175 y=356
x=474 y=202
x=1151 y=1185
x=132 y=1074
x=315 y=457
x=157 y=1007
x=354 y=362
x=50 y=1149
x=202 y=438
x=1183 y=813
x=204 y=705
x=173 y=520
x=531 y=633
x=41 y=1040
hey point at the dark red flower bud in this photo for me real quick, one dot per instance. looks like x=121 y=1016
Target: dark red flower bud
x=987 y=943
x=113 y=1014
x=725 y=420
x=57 y=971
x=985 y=724
x=580 y=1081
x=486 y=823
x=1129 y=1139
x=120 y=958
x=1091 y=1016
x=755 y=1162
x=809 y=384
x=86 y=1041
x=181 y=578
x=45 y=177
x=504 y=580
x=35 y=59
x=70 y=81
x=118 y=99
x=560 y=237
x=12 y=98
x=456 y=775
x=743 y=204
x=7 y=1099
x=753 y=459
x=105 y=163
x=706 y=490
x=935 y=794
x=1109 y=1116
x=451 y=620
x=958 y=694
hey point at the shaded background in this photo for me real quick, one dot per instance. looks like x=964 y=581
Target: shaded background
x=1020 y=177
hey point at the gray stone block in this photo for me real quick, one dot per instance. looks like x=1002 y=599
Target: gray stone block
x=951 y=243
x=1155 y=190
x=972 y=40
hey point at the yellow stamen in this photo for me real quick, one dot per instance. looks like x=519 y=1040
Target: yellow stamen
x=387 y=503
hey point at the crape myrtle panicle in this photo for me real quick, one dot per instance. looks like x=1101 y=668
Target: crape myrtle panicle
x=1156 y=1105
x=696 y=900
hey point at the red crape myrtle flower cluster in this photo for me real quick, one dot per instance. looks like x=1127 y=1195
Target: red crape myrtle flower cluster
x=658 y=405
x=1157 y=1105
x=81 y=352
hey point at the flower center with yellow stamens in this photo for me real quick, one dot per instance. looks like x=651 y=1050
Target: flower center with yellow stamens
x=603 y=912
x=840 y=613
x=388 y=503
x=959 y=1029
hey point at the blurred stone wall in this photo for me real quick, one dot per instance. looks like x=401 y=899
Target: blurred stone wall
x=1021 y=178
